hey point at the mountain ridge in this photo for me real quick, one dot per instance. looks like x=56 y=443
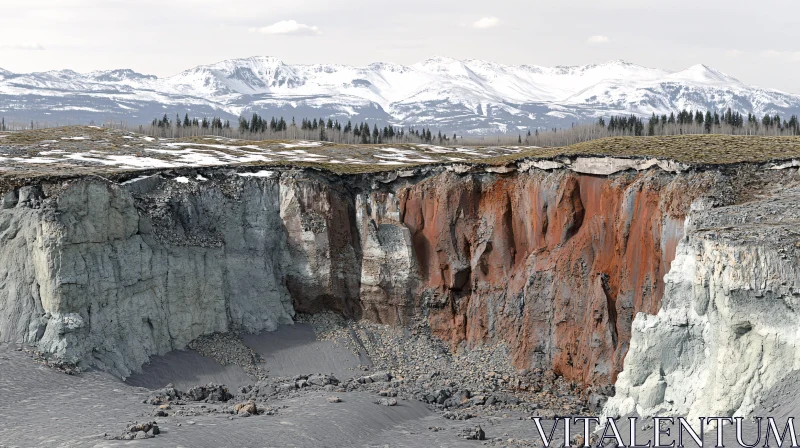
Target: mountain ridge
x=471 y=96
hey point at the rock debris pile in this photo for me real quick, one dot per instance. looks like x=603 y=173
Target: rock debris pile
x=228 y=349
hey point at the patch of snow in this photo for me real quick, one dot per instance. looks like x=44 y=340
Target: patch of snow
x=790 y=164
x=137 y=179
x=182 y=180
x=262 y=173
x=36 y=160
x=301 y=144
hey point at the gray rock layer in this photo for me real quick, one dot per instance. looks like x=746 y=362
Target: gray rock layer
x=87 y=278
x=727 y=330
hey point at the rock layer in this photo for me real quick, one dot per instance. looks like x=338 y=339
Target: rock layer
x=553 y=262
x=727 y=331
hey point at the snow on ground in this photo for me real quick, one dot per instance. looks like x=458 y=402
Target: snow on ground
x=301 y=144
x=262 y=173
x=137 y=179
x=149 y=152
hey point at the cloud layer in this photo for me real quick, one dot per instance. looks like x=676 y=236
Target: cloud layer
x=31 y=46
x=486 y=22
x=786 y=55
x=287 y=27
x=596 y=40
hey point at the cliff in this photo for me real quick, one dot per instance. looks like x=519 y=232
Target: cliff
x=727 y=331
x=562 y=259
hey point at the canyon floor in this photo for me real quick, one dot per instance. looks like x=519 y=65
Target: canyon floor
x=43 y=406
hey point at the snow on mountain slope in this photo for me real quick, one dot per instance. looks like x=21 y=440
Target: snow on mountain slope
x=452 y=95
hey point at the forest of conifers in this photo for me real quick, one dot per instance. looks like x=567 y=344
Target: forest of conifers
x=257 y=127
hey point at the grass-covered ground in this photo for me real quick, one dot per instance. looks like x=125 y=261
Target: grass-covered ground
x=76 y=150
x=690 y=149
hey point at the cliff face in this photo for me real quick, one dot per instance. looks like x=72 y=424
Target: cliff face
x=92 y=275
x=727 y=331
x=554 y=263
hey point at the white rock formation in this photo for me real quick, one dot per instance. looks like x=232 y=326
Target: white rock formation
x=727 y=330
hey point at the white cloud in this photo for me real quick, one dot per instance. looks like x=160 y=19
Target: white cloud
x=599 y=39
x=733 y=53
x=486 y=22
x=32 y=46
x=287 y=27
x=791 y=55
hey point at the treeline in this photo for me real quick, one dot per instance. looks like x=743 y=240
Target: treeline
x=727 y=122
x=688 y=122
x=259 y=128
x=331 y=129
x=165 y=123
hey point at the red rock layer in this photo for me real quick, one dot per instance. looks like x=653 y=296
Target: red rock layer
x=556 y=265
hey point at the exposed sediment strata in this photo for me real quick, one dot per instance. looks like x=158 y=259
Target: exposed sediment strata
x=556 y=263
x=553 y=262
x=727 y=331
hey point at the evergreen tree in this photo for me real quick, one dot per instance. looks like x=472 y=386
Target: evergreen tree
x=651 y=125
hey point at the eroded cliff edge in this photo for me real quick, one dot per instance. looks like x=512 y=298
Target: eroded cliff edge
x=552 y=262
x=727 y=330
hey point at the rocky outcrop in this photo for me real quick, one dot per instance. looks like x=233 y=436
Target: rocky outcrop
x=94 y=275
x=727 y=330
x=555 y=263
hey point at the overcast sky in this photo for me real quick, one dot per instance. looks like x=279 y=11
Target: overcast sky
x=757 y=43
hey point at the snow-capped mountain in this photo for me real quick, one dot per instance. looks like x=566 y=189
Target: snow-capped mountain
x=446 y=94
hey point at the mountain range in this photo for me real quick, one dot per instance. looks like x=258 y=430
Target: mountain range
x=470 y=96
